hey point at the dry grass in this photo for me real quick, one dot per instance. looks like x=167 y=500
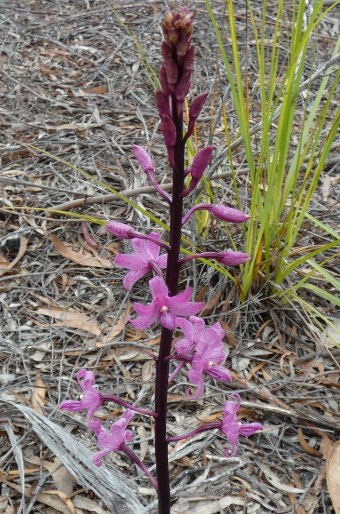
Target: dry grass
x=72 y=84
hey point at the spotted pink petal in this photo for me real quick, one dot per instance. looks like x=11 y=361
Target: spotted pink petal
x=147 y=315
x=129 y=261
x=162 y=261
x=219 y=373
x=132 y=277
x=181 y=306
x=158 y=288
x=195 y=376
x=145 y=249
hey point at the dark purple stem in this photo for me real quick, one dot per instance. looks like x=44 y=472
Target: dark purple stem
x=200 y=206
x=172 y=275
x=162 y=244
x=158 y=188
x=131 y=454
x=120 y=401
x=204 y=255
x=199 y=430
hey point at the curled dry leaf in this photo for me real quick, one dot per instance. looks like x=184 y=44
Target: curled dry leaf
x=39 y=394
x=333 y=476
x=82 y=257
x=5 y=265
x=72 y=319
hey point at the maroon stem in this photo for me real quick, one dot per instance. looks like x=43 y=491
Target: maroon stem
x=172 y=276
x=120 y=401
x=199 y=430
x=131 y=454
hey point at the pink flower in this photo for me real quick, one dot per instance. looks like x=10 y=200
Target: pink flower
x=204 y=350
x=232 y=427
x=164 y=307
x=140 y=262
x=112 y=440
x=91 y=400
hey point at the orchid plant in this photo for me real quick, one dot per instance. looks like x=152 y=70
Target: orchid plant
x=200 y=351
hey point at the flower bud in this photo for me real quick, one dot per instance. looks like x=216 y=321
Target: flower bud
x=188 y=62
x=228 y=213
x=144 y=159
x=120 y=230
x=162 y=102
x=197 y=105
x=163 y=79
x=200 y=162
x=168 y=129
x=183 y=85
x=232 y=258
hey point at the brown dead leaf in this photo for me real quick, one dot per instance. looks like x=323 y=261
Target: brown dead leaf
x=71 y=319
x=326 y=442
x=147 y=370
x=98 y=90
x=54 y=499
x=6 y=266
x=117 y=328
x=333 y=476
x=62 y=478
x=254 y=370
x=211 y=304
x=83 y=257
x=38 y=394
x=306 y=447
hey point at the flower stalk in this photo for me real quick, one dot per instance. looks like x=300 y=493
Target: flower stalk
x=200 y=352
